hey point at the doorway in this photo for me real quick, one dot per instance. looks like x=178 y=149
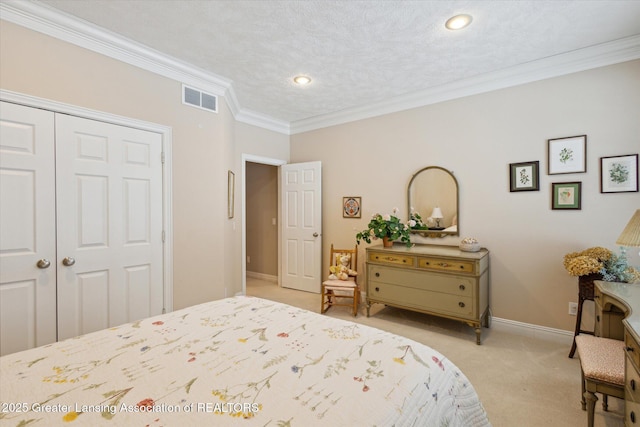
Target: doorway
x=260 y=221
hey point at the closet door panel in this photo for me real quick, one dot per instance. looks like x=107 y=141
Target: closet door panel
x=27 y=228
x=110 y=222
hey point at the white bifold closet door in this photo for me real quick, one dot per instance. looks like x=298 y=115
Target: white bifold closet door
x=101 y=208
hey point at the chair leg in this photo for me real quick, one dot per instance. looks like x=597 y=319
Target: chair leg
x=355 y=303
x=591 y=407
x=584 y=391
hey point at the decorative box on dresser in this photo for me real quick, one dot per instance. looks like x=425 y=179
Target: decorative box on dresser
x=613 y=298
x=433 y=279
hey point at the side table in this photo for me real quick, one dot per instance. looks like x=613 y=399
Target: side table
x=586 y=291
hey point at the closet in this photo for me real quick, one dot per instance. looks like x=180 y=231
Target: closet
x=80 y=226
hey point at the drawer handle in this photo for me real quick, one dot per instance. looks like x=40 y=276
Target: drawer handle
x=632 y=383
x=377 y=274
x=598 y=318
x=629 y=349
x=632 y=415
x=462 y=288
x=461 y=304
x=377 y=289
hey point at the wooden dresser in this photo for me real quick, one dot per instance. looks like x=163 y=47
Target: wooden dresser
x=434 y=279
x=616 y=301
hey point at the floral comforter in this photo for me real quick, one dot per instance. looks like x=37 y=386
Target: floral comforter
x=237 y=361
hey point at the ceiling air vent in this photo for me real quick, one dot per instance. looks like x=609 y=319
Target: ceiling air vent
x=199 y=99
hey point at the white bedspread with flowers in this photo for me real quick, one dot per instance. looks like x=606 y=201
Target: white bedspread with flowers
x=237 y=361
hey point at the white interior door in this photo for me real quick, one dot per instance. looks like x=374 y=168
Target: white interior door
x=301 y=198
x=27 y=228
x=109 y=190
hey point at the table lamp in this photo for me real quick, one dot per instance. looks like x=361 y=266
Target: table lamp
x=437 y=215
x=631 y=234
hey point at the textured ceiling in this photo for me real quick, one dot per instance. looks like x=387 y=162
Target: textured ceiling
x=356 y=52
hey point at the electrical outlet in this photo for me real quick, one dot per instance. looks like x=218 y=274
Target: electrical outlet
x=573 y=308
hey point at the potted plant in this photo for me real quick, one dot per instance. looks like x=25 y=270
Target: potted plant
x=386 y=227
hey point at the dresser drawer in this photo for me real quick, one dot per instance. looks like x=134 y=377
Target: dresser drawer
x=392 y=259
x=632 y=349
x=445 y=264
x=436 y=282
x=632 y=382
x=453 y=305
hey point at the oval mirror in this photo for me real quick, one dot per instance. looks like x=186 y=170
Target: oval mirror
x=432 y=194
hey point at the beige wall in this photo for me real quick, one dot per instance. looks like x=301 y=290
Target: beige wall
x=205 y=146
x=477 y=137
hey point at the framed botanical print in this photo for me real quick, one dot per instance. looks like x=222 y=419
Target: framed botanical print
x=566 y=195
x=619 y=174
x=351 y=207
x=567 y=155
x=524 y=176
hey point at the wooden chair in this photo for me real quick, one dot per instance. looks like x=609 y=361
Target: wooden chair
x=335 y=290
x=602 y=369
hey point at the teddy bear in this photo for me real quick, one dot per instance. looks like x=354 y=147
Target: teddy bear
x=341 y=271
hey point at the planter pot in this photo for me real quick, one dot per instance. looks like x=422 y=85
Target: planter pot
x=386 y=242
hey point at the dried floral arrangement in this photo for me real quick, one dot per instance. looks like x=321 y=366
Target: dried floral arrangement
x=612 y=267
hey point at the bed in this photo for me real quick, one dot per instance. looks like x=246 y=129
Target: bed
x=237 y=361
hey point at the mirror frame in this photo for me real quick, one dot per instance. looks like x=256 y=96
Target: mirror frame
x=435 y=233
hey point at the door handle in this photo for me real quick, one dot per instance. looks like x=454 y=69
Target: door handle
x=43 y=263
x=315 y=234
x=68 y=261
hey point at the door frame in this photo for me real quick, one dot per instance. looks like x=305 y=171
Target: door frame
x=265 y=161
x=165 y=131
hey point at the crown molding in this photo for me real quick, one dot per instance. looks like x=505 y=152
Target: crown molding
x=65 y=27
x=49 y=21
x=623 y=50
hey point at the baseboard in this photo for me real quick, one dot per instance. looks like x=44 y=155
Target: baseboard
x=262 y=276
x=528 y=329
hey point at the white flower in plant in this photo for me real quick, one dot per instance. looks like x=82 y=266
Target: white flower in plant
x=387 y=217
x=412 y=223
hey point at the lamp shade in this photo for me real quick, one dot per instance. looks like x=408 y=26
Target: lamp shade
x=631 y=234
x=437 y=213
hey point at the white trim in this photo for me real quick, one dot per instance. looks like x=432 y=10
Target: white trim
x=528 y=329
x=54 y=23
x=243 y=190
x=618 y=51
x=47 y=20
x=165 y=131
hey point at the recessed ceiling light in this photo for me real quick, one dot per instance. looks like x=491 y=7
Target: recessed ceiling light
x=458 y=22
x=302 y=80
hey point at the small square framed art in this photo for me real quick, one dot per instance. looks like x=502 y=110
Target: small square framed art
x=619 y=174
x=567 y=155
x=524 y=176
x=566 y=195
x=351 y=207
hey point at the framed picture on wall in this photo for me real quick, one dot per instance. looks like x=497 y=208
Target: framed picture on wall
x=231 y=184
x=567 y=155
x=351 y=207
x=619 y=174
x=524 y=176
x=566 y=195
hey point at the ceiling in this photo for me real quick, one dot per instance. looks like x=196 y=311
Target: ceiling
x=358 y=53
